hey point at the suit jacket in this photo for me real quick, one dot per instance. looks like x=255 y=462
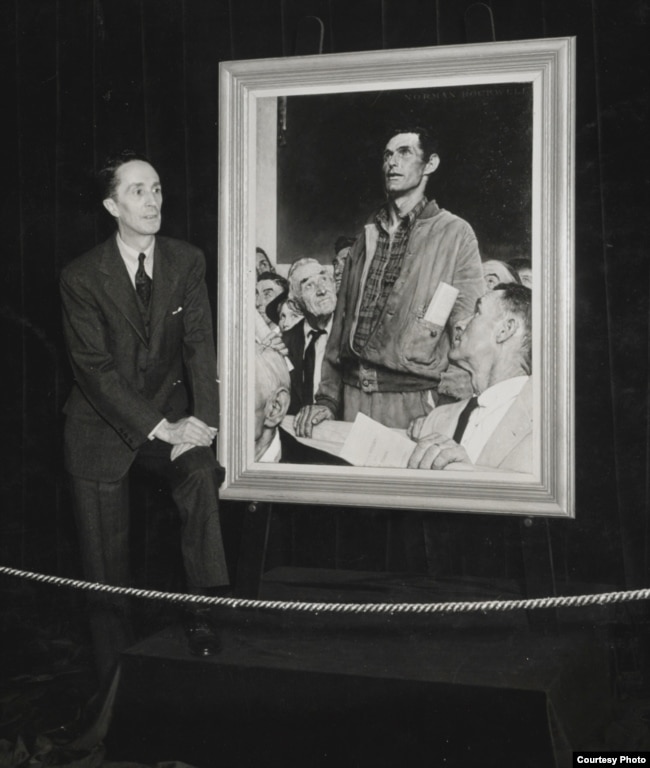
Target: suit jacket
x=295 y=452
x=510 y=446
x=127 y=381
x=294 y=339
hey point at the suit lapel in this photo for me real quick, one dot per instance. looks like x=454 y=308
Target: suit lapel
x=165 y=278
x=295 y=340
x=513 y=427
x=119 y=288
x=445 y=418
x=296 y=346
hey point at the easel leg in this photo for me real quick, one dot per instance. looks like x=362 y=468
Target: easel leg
x=539 y=574
x=252 y=554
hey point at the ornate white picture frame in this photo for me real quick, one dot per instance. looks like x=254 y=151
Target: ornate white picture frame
x=467 y=89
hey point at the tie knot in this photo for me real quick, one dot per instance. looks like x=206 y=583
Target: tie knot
x=141 y=258
x=315 y=333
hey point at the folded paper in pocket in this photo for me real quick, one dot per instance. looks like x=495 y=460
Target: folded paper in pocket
x=441 y=304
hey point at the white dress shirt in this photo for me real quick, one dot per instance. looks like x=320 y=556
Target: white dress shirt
x=492 y=406
x=273 y=453
x=130 y=258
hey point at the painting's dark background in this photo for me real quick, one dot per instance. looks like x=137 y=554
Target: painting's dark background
x=329 y=163
x=82 y=77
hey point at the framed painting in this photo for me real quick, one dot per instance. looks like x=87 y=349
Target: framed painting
x=330 y=154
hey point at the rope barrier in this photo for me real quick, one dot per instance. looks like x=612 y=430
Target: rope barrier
x=572 y=601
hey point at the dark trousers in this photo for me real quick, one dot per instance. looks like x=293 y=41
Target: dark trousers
x=102 y=516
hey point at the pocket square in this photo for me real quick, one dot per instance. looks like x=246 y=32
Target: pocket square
x=176 y=311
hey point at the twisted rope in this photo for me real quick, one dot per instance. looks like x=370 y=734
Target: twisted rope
x=484 y=606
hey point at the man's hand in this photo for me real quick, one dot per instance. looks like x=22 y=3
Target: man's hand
x=414 y=429
x=308 y=417
x=179 y=449
x=188 y=430
x=435 y=451
x=274 y=340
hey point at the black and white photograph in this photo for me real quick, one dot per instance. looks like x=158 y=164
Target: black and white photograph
x=326 y=396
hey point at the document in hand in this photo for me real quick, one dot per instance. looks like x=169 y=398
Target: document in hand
x=371 y=444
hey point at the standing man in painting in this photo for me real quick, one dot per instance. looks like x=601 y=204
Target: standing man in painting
x=138 y=328
x=383 y=357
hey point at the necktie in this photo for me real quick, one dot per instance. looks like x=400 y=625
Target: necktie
x=308 y=368
x=472 y=403
x=142 y=281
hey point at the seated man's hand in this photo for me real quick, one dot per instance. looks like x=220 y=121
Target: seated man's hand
x=188 y=430
x=307 y=418
x=435 y=451
x=179 y=449
x=414 y=429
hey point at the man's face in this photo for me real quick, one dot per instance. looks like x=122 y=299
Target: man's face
x=495 y=272
x=475 y=337
x=404 y=166
x=262 y=264
x=526 y=277
x=338 y=264
x=265 y=290
x=317 y=290
x=137 y=200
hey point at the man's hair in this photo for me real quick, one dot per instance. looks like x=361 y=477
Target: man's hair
x=516 y=299
x=428 y=143
x=520 y=263
x=272 y=309
x=271 y=371
x=343 y=242
x=294 y=290
x=276 y=278
x=107 y=174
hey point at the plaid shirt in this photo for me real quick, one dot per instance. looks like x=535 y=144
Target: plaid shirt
x=384 y=270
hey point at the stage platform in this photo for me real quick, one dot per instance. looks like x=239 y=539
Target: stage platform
x=304 y=690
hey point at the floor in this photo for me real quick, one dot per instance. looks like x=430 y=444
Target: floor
x=47 y=675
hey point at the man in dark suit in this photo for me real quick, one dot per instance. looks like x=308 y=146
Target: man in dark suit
x=138 y=328
x=273 y=444
x=313 y=291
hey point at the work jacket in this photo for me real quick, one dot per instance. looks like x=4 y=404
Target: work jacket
x=404 y=351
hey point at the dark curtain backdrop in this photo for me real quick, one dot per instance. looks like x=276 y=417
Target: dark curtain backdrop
x=82 y=77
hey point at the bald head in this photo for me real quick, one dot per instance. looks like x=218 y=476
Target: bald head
x=271 y=371
x=272 y=395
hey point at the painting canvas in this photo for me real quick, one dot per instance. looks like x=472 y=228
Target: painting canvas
x=303 y=152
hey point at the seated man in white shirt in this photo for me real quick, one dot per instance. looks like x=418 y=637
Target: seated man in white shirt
x=272 y=396
x=313 y=291
x=494 y=428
